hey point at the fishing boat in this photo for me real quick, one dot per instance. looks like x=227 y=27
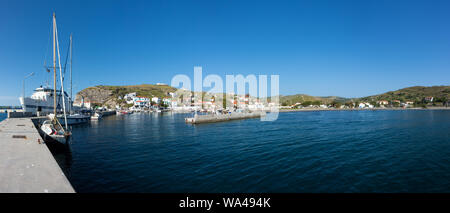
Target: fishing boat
x=96 y=116
x=53 y=131
x=124 y=112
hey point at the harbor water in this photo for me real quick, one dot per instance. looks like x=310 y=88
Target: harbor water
x=324 y=151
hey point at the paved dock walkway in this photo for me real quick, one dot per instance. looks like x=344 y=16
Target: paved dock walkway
x=26 y=164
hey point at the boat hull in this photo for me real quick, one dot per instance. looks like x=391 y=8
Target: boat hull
x=54 y=144
x=75 y=120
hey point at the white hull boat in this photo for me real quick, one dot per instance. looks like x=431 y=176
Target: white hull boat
x=54 y=133
x=96 y=117
x=75 y=119
x=42 y=101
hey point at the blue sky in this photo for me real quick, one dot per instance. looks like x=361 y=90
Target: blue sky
x=341 y=48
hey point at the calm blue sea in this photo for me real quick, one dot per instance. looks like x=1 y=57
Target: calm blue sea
x=327 y=151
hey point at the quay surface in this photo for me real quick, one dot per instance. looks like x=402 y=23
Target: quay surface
x=26 y=164
x=211 y=118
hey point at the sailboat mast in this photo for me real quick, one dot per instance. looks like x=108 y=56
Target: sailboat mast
x=54 y=64
x=71 y=97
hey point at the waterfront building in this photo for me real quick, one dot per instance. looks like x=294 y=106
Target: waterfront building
x=129 y=98
x=155 y=100
x=141 y=101
x=167 y=101
x=383 y=102
x=429 y=99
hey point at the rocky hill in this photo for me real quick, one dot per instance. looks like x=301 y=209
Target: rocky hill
x=109 y=95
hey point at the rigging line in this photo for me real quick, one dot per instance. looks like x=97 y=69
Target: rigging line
x=60 y=75
x=65 y=65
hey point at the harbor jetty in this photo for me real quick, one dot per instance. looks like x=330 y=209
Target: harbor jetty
x=26 y=164
x=211 y=118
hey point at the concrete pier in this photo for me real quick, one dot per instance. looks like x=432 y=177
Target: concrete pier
x=211 y=118
x=12 y=114
x=26 y=164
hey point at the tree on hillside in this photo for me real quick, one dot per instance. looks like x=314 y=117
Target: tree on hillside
x=317 y=103
x=306 y=103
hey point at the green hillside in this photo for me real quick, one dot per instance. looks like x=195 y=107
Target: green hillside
x=302 y=98
x=416 y=94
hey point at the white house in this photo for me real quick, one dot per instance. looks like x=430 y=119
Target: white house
x=383 y=102
x=167 y=101
x=155 y=100
x=365 y=105
x=173 y=104
x=141 y=101
x=129 y=98
x=429 y=99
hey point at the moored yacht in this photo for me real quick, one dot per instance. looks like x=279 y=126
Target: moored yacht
x=42 y=100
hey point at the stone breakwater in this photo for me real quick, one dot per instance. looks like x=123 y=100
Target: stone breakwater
x=211 y=118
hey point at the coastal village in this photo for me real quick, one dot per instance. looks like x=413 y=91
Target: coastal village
x=171 y=102
x=205 y=102
x=44 y=124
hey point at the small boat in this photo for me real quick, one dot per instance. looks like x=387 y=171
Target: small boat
x=96 y=116
x=75 y=119
x=123 y=112
x=54 y=132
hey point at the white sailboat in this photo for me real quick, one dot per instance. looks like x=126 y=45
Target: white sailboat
x=52 y=128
